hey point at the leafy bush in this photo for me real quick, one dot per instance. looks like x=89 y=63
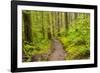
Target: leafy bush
x=77 y=42
x=31 y=49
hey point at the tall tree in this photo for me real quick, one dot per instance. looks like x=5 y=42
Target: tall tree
x=27 y=26
x=66 y=19
x=43 y=32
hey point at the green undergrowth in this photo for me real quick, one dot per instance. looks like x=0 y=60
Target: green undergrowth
x=77 y=41
x=31 y=49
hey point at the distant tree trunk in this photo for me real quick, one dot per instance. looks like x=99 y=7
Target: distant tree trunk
x=50 y=26
x=43 y=32
x=45 y=24
x=63 y=23
x=53 y=21
x=66 y=19
x=58 y=23
x=76 y=15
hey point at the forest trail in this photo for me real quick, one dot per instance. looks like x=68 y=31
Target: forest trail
x=58 y=53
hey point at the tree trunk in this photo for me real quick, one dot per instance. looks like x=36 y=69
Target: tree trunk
x=27 y=26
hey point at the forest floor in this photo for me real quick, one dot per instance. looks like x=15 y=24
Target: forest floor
x=58 y=52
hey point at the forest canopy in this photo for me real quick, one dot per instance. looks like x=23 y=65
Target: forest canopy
x=52 y=35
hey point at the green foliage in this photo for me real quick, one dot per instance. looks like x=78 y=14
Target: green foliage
x=31 y=49
x=77 y=42
x=77 y=52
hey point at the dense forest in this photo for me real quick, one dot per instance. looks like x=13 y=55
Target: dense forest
x=51 y=35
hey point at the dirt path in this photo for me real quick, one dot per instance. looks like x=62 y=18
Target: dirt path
x=58 y=51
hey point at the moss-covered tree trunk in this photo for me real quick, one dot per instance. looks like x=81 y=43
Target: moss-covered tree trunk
x=27 y=26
